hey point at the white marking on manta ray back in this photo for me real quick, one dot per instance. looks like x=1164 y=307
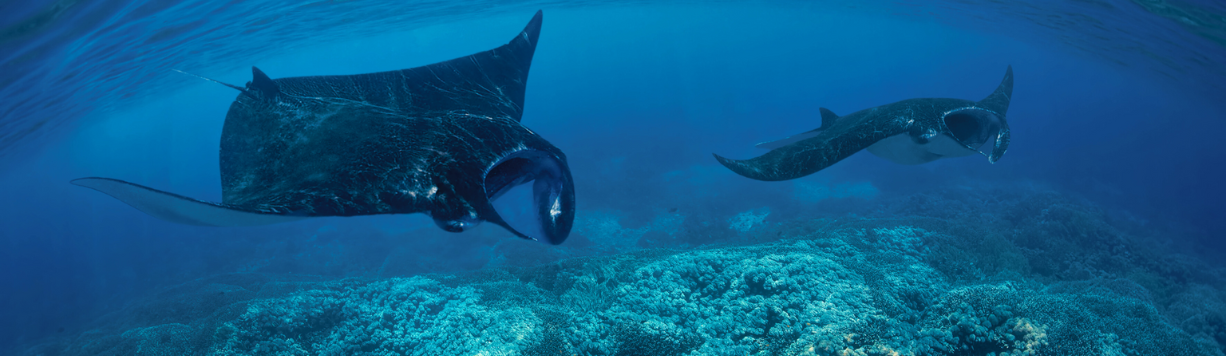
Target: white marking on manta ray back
x=972 y=107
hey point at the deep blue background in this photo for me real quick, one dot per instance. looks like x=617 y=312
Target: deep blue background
x=638 y=97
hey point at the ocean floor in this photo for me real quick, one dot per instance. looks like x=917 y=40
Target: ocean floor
x=958 y=272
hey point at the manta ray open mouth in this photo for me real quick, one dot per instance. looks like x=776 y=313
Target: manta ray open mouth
x=972 y=127
x=544 y=212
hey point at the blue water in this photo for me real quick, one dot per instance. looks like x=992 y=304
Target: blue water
x=1112 y=184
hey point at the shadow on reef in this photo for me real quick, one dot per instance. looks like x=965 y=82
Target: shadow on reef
x=957 y=272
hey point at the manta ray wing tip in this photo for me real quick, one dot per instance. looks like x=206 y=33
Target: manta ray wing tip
x=735 y=165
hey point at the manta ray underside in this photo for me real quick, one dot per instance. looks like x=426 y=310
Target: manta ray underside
x=911 y=131
x=443 y=139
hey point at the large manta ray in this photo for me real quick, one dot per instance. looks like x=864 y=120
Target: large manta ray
x=911 y=131
x=442 y=139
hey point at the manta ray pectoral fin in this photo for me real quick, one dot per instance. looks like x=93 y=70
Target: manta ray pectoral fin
x=518 y=54
x=998 y=101
x=177 y=208
x=767 y=167
x=770 y=145
x=531 y=32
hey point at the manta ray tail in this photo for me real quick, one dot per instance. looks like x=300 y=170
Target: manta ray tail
x=213 y=80
x=260 y=86
x=177 y=208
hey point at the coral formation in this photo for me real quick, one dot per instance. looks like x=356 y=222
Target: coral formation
x=415 y=316
x=1037 y=274
x=745 y=221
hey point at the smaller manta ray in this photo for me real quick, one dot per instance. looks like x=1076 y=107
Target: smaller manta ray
x=442 y=139
x=911 y=131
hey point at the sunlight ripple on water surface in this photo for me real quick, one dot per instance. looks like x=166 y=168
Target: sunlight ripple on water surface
x=66 y=59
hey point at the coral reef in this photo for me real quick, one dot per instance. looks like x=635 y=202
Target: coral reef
x=413 y=316
x=974 y=272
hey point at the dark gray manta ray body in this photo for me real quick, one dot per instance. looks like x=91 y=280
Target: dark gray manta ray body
x=911 y=131
x=443 y=139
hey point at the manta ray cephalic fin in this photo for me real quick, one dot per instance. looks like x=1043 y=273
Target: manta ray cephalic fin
x=177 y=208
x=998 y=102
